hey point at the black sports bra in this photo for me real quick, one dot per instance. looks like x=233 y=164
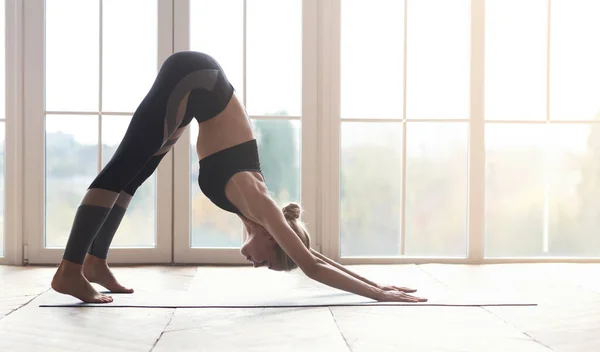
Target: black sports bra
x=216 y=170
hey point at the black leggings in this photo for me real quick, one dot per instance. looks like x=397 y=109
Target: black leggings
x=189 y=85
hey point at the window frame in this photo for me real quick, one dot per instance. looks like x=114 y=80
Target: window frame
x=13 y=225
x=320 y=141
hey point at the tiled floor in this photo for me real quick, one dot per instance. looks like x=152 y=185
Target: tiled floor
x=566 y=319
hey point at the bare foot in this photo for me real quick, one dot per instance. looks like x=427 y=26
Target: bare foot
x=69 y=280
x=97 y=270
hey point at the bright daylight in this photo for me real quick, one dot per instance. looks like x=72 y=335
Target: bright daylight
x=299 y=175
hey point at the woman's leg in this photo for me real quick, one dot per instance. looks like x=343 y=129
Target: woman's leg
x=145 y=136
x=95 y=267
x=134 y=152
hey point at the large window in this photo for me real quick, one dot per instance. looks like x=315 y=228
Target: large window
x=461 y=130
x=408 y=128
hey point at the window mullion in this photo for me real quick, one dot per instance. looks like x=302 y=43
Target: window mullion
x=476 y=186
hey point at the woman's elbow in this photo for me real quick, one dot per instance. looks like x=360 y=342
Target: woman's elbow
x=310 y=269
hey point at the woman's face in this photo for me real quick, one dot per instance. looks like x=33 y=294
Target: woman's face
x=260 y=248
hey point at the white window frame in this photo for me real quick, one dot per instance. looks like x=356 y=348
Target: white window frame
x=13 y=243
x=309 y=148
x=33 y=227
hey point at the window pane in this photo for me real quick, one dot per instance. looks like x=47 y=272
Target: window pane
x=574 y=201
x=515 y=188
x=2 y=184
x=274 y=57
x=71 y=165
x=71 y=67
x=515 y=59
x=372 y=58
x=211 y=226
x=128 y=71
x=370 y=194
x=207 y=35
x=438 y=59
x=279 y=150
x=137 y=228
x=574 y=58
x=436 y=189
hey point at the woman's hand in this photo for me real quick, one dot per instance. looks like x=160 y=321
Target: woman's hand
x=399 y=296
x=396 y=288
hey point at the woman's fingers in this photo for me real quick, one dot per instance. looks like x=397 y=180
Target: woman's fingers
x=403 y=297
x=405 y=289
x=399 y=288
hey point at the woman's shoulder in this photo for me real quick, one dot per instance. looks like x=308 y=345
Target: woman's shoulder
x=248 y=192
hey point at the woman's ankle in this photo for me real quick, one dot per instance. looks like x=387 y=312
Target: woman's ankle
x=68 y=267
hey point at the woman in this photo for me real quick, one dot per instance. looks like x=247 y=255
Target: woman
x=193 y=85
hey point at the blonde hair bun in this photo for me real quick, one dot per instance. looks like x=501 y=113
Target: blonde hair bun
x=292 y=211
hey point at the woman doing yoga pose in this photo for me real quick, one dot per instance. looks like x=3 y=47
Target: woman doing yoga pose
x=193 y=85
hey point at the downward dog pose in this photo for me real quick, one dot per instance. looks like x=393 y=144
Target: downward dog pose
x=193 y=85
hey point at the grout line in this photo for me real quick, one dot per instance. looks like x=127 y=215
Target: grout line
x=431 y=276
x=516 y=328
x=486 y=309
x=164 y=329
x=338 y=327
x=24 y=304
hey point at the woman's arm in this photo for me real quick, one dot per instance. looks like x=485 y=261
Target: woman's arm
x=324 y=259
x=321 y=271
x=253 y=200
x=309 y=264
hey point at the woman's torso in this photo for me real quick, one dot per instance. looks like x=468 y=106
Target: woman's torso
x=229 y=128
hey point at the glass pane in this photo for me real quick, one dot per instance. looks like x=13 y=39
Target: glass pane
x=515 y=59
x=372 y=33
x=72 y=60
x=574 y=202
x=207 y=35
x=274 y=57
x=370 y=194
x=137 y=228
x=436 y=189
x=71 y=165
x=515 y=188
x=438 y=59
x=574 y=57
x=128 y=71
x=2 y=184
x=279 y=150
x=211 y=226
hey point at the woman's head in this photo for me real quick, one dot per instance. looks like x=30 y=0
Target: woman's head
x=262 y=249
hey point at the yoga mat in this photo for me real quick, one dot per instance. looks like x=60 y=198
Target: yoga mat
x=298 y=298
